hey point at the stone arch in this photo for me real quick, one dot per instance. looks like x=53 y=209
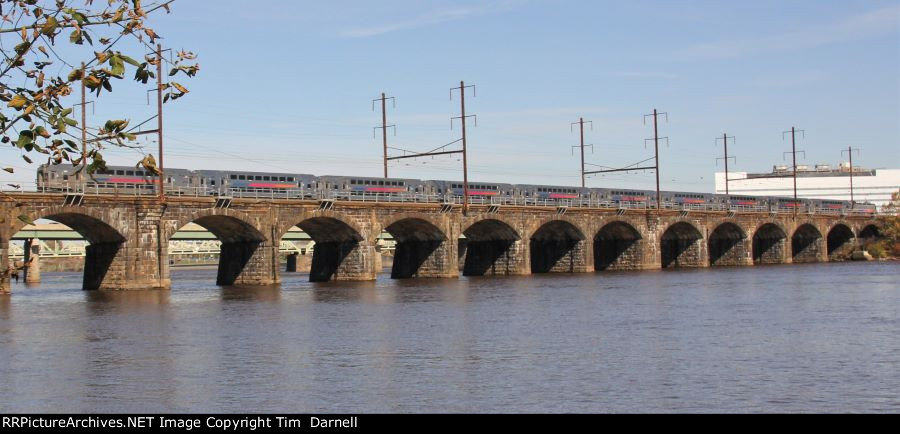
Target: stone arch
x=558 y=246
x=289 y=221
x=840 y=242
x=422 y=249
x=244 y=222
x=727 y=245
x=806 y=244
x=491 y=246
x=618 y=246
x=769 y=244
x=870 y=232
x=244 y=258
x=337 y=253
x=104 y=266
x=681 y=245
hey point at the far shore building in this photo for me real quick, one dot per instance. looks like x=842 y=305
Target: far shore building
x=821 y=181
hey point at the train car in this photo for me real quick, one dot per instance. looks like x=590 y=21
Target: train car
x=786 y=204
x=112 y=180
x=632 y=198
x=479 y=192
x=863 y=208
x=368 y=188
x=552 y=194
x=684 y=200
x=829 y=206
x=750 y=203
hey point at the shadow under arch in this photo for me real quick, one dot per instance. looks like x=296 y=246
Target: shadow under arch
x=417 y=244
x=769 y=243
x=488 y=248
x=335 y=242
x=726 y=245
x=239 y=244
x=618 y=246
x=806 y=244
x=104 y=244
x=556 y=247
x=839 y=241
x=680 y=246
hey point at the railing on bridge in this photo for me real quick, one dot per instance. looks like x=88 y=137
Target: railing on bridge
x=122 y=189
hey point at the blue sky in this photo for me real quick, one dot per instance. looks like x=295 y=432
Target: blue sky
x=287 y=86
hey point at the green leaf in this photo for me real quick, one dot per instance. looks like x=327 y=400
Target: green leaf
x=118 y=66
x=49 y=26
x=129 y=60
x=25 y=137
x=41 y=131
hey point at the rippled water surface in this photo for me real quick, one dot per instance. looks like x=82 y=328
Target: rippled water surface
x=821 y=338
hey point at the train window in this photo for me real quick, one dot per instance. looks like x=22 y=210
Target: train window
x=233 y=177
x=241 y=177
x=129 y=172
x=281 y=178
x=212 y=182
x=120 y=172
x=259 y=177
x=290 y=178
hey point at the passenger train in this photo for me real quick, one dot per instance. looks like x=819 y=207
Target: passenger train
x=131 y=180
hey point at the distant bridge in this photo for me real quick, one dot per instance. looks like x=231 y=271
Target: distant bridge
x=130 y=237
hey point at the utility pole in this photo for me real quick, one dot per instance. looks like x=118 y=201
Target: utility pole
x=384 y=125
x=656 y=151
x=83 y=121
x=725 y=142
x=462 y=117
x=793 y=153
x=655 y=167
x=581 y=123
x=849 y=152
x=159 y=120
x=84 y=140
x=440 y=149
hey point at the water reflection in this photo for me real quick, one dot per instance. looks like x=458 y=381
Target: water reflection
x=267 y=293
x=773 y=339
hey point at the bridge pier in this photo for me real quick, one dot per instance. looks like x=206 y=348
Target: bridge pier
x=32 y=261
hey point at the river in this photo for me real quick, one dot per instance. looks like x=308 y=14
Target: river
x=801 y=338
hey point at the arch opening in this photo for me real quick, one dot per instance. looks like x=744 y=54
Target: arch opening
x=336 y=251
x=490 y=247
x=681 y=246
x=557 y=247
x=103 y=268
x=421 y=249
x=769 y=244
x=806 y=244
x=870 y=232
x=241 y=261
x=727 y=245
x=840 y=242
x=618 y=246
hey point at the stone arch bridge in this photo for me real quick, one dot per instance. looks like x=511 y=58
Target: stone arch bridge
x=129 y=237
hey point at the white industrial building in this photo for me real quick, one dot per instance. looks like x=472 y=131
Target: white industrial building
x=820 y=182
